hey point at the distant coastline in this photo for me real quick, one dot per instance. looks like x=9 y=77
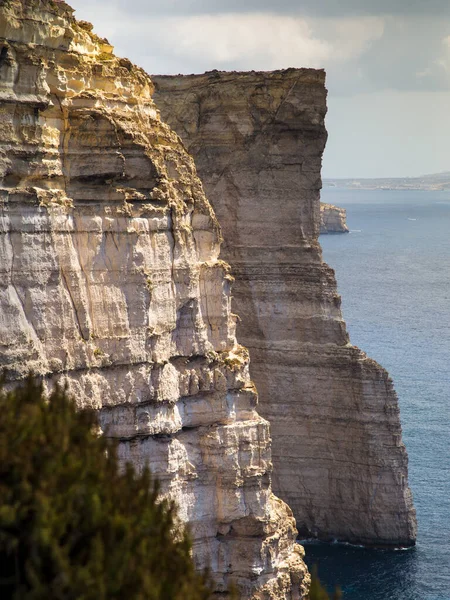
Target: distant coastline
x=436 y=183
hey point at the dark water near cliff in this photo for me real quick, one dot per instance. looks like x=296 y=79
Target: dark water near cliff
x=393 y=272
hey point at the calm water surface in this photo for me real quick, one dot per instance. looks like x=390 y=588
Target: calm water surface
x=393 y=272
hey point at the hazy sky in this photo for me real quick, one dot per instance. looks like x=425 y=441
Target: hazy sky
x=387 y=63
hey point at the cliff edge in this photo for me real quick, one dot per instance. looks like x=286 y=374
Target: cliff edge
x=111 y=283
x=339 y=461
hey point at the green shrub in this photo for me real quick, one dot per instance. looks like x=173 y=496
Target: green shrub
x=72 y=526
x=318 y=592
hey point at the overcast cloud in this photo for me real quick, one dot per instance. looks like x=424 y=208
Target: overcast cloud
x=370 y=49
x=323 y=8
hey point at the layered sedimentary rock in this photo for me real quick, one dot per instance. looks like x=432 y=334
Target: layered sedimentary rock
x=111 y=283
x=333 y=219
x=339 y=460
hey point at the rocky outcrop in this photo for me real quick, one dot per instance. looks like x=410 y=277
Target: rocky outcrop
x=339 y=460
x=111 y=283
x=332 y=219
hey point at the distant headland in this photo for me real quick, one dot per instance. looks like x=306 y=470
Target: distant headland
x=435 y=182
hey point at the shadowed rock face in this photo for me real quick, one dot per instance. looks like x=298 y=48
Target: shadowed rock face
x=339 y=460
x=332 y=219
x=110 y=282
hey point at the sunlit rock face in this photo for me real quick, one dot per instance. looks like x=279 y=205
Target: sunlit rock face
x=339 y=460
x=333 y=219
x=111 y=283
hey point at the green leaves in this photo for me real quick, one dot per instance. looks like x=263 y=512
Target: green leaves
x=72 y=526
x=318 y=592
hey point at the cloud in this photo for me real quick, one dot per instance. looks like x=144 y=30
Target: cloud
x=251 y=41
x=408 y=56
x=265 y=41
x=321 y=8
x=444 y=61
x=260 y=41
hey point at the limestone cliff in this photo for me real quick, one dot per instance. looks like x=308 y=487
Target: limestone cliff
x=332 y=219
x=111 y=283
x=339 y=460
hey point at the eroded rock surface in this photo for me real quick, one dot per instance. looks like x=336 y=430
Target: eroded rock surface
x=333 y=219
x=110 y=282
x=339 y=460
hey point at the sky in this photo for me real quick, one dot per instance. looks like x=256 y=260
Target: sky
x=387 y=64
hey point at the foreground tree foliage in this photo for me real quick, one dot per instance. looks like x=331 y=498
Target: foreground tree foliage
x=318 y=592
x=71 y=525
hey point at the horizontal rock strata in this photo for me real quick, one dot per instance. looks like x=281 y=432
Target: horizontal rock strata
x=111 y=282
x=332 y=219
x=339 y=460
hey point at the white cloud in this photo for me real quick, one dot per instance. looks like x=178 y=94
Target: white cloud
x=265 y=41
x=322 y=8
x=443 y=61
x=258 y=41
x=424 y=73
x=269 y=41
x=350 y=37
x=245 y=41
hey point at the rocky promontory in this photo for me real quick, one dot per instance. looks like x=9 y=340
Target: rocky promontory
x=111 y=283
x=339 y=460
x=332 y=219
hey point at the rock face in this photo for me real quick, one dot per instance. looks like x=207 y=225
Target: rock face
x=111 y=283
x=332 y=219
x=339 y=460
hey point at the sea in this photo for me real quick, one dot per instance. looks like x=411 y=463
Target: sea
x=393 y=273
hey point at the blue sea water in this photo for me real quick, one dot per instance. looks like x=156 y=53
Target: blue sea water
x=393 y=273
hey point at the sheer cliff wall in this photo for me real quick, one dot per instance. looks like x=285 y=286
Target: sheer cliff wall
x=339 y=460
x=110 y=282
